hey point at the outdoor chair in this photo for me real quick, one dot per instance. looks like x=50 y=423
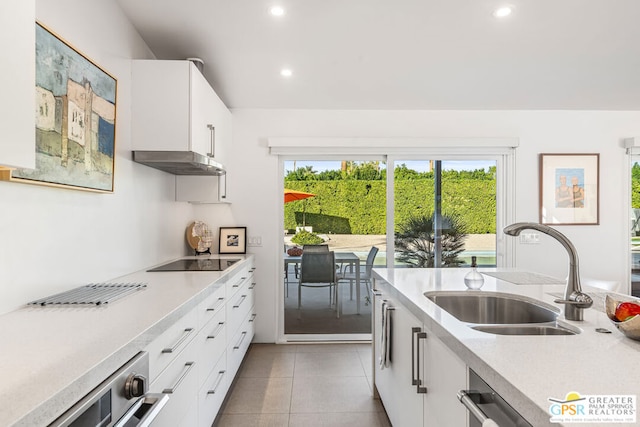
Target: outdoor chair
x=317 y=269
x=365 y=273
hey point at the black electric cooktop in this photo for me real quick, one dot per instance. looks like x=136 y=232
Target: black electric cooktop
x=205 y=264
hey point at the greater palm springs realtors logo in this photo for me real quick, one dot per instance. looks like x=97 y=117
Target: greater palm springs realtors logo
x=575 y=408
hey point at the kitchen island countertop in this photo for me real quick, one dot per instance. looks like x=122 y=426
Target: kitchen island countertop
x=54 y=355
x=525 y=370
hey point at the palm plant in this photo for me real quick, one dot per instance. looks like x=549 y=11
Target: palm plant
x=415 y=241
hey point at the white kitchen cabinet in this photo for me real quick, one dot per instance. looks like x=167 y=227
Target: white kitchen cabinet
x=402 y=402
x=175 y=109
x=17 y=113
x=420 y=385
x=197 y=357
x=444 y=374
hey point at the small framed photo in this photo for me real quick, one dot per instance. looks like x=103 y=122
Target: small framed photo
x=233 y=240
x=569 y=189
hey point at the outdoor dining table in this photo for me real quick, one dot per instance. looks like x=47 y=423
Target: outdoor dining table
x=349 y=258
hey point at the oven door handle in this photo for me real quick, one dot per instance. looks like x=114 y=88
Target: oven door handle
x=155 y=401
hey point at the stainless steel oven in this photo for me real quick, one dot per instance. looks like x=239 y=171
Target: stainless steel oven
x=119 y=401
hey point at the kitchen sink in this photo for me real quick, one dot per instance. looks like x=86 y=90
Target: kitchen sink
x=493 y=308
x=501 y=313
x=526 y=330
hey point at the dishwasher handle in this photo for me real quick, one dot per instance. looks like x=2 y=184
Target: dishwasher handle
x=470 y=399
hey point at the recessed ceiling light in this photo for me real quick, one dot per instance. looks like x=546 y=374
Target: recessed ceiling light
x=277 y=11
x=286 y=72
x=502 y=12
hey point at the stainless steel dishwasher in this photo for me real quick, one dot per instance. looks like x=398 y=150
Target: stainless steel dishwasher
x=485 y=405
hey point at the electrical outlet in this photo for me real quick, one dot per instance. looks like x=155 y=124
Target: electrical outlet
x=254 y=241
x=530 y=238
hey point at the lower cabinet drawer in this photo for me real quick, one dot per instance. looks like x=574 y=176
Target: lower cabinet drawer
x=165 y=348
x=238 y=307
x=212 y=393
x=180 y=382
x=211 y=343
x=240 y=343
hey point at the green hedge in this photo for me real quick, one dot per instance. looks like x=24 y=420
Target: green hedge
x=359 y=207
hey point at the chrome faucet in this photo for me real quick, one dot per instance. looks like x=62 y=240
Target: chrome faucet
x=574 y=299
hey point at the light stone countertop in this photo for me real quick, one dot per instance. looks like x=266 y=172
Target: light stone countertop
x=51 y=357
x=525 y=370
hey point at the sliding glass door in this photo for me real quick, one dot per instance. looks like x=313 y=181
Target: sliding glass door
x=341 y=205
x=444 y=212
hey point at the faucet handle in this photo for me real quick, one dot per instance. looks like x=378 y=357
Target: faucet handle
x=577 y=299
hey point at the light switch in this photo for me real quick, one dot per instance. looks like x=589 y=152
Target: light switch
x=254 y=241
x=530 y=238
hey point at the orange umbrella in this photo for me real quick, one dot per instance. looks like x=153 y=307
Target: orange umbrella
x=293 y=195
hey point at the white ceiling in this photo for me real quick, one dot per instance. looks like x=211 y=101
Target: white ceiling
x=405 y=54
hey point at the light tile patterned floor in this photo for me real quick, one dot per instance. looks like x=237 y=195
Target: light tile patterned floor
x=304 y=385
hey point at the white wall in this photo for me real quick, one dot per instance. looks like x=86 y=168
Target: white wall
x=56 y=239
x=602 y=249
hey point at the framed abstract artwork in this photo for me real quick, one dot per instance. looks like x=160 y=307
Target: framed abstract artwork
x=75 y=119
x=569 y=189
x=233 y=240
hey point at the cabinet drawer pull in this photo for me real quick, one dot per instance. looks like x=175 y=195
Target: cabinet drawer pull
x=217 y=383
x=188 y=366
x=253 y=317
x=419 y=336
x=215 y=307
x=184 y=336
x=253 y=285
x=215 y=333
x=237 y=346
x=240 y=301
x=252 y=269
x=239 y=282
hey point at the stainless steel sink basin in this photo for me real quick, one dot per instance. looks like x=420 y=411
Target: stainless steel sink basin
x=526 y=330
x=493 y=308
x=501 y=313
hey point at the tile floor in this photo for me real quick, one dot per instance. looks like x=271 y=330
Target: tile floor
x=310 y=385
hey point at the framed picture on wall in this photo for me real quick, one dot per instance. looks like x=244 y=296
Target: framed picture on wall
x=75 y=119
x=569 y=189
x=233 y=240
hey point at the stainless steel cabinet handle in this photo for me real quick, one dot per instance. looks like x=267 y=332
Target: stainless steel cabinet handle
x=217 y=383
x=239 y=282
x=253 y=285
x=215 y=332
x=223 y=193
x=184 y=336
x=240 y=301
x=414 y=379
x=468 y=399
x=212 y=128
x=253 y=317
x=419 y=336
x=188 y=366
x=237 y=346
x=215 y=307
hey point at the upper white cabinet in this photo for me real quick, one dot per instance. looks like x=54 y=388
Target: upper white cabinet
x=175 y=109
x=17 y=113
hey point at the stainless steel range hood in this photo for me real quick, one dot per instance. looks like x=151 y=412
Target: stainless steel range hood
x=180 y=162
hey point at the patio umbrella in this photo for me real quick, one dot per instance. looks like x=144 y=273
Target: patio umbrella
x=293 y=195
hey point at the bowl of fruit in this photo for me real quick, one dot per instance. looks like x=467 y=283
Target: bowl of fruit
x=625 y=315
